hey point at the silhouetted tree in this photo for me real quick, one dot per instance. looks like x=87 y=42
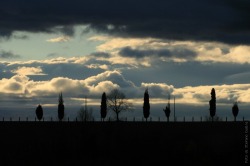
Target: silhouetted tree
x=212 y=103
x=103 y=106
x=117 y=102
x=39 y=112
x=167 y=110
x=85 y=115
x=235 y=110
x=60 y=107
x=146 y=105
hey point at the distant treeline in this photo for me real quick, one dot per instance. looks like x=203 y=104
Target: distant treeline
x=117 y=103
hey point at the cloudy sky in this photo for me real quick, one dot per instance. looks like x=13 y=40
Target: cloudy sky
x=84 y=48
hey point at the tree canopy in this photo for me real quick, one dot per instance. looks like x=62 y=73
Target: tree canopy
x=117 y=102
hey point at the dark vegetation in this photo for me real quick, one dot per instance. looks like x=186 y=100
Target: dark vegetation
x=122 y=143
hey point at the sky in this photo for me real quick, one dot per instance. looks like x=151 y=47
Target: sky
x=84 y=48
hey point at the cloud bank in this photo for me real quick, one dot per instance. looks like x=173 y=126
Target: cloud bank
x=208 y=20
x=24 y=85
x=21 y=86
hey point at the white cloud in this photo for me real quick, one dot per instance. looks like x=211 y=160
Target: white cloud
x=28 y=71
x=96 y=66
x=14 y=85
x=114 y=76
x=239 y=54
x=99 y=38
x=95 y=85
x=59 y=39
x=104 y=86
x=57 y=60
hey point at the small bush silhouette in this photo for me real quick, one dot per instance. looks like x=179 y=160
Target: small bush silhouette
x=235 y=110
x=167 y=109
x=167 y=112
x=39 y=112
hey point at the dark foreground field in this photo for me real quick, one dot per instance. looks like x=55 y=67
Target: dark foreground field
x=122 y=143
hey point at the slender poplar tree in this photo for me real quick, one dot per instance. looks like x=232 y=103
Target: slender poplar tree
x=146 y=105
x=60 y=107
x=103 y=106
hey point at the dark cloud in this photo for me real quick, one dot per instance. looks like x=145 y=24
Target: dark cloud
x=100 y=55
x=189 y=74
x=238 y=77
x=208 y=20
x=52 y=55
x=70 y=70
x=66 y=29
x=177 y=53
x=14 y=86
x=8 y=55
x=20 y=37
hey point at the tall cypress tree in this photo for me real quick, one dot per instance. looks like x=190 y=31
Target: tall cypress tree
x=212 y=103
x=146 y=105
x=60 y=107
x=103 y=106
